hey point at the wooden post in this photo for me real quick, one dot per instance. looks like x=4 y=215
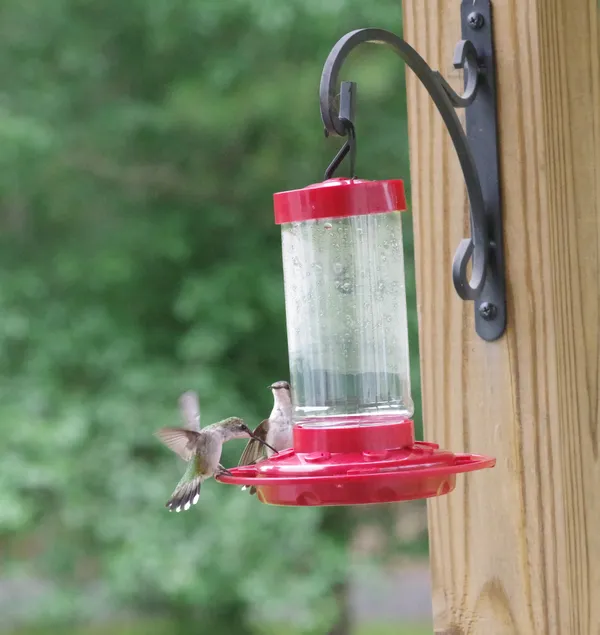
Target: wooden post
x=516 y=549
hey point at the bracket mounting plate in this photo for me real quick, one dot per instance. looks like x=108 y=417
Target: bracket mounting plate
x=482 y=134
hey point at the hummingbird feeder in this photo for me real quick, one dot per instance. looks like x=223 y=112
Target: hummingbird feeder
x=345 y=301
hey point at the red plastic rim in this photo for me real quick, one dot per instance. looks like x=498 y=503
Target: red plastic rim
x=338 y=198
x=379 y=434
x=325 y=469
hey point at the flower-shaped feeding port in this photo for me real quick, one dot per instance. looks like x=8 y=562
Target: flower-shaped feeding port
x=349 y=361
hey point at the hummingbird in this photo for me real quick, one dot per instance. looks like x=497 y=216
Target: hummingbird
x=200 y=448
x=273 y=434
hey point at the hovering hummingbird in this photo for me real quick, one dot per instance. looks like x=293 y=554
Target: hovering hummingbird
x=201 y=448
x=273 y=434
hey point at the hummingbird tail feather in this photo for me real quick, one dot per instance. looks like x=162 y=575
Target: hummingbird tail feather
x=185 y=495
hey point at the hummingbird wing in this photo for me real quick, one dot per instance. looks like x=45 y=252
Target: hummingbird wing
x=180 y=440
x=189 y=406
x=254 y=450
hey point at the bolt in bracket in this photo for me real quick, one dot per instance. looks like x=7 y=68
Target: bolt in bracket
x=477 y=150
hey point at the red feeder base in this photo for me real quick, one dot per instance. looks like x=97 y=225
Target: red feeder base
x=356 y=464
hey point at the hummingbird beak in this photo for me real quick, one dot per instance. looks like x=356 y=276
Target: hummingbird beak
x=262 y=442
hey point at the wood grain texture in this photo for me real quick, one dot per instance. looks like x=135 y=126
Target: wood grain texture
x=516 y=549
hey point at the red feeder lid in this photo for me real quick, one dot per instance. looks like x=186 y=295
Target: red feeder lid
x=356 y=465
x=337 y=198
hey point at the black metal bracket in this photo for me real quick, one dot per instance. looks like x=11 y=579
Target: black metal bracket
x=477 y=150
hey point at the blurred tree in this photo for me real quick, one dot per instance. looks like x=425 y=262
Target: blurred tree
x=140 y=143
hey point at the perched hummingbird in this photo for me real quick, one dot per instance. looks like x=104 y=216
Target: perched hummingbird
x=201 y=448
x=273 y=434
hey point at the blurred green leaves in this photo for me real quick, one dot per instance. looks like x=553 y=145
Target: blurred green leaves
x=140 y=144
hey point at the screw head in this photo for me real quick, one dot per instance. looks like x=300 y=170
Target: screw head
x=475 y=20
x=488 y=311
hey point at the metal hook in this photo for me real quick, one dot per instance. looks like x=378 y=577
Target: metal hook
x=346 y=116
x=349 y=147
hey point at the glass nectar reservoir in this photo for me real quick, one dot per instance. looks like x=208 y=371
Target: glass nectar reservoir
x=345 y=297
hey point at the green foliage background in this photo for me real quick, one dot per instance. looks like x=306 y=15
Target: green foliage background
x=140 y=144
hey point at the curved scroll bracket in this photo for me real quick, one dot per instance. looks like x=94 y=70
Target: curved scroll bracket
x=476 y=149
